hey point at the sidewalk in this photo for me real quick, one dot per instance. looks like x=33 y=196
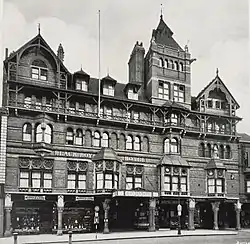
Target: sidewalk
x=49 y=238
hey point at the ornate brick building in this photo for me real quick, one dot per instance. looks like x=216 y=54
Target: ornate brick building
x=151 y=146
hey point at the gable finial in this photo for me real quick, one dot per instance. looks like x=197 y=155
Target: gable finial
x=217 y=72
x=108 y=71
x=39 y=28
x=81 y=66
x=161 y=11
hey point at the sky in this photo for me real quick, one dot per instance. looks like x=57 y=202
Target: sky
x=217 y=33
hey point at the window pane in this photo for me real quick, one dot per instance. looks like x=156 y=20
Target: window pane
x=47 y=176
x=129 y=186
x=167 y=179
x=36 y=183
x=167 y=187
x=175 y=179
x=47 y=183
x=82 y=184
x=129 y=179
x=71 y=184
x=108 y=184
x=108 y=176
x=138 y=179
x=24 y=183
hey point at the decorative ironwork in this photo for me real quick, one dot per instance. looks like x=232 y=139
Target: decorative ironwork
x=37 y=163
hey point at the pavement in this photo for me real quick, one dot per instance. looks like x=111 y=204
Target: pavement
x=92 y=237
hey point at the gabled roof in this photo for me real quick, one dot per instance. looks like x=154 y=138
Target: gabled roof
x=81 y=72
x=34 y=40
x=244 y=137
x=108 y=78
x=217 y=78
x=163 y=35
x=106 y=154
x=215 y=164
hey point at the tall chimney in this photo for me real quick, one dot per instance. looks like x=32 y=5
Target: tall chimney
x=6 y=53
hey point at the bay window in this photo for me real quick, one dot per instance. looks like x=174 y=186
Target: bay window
x=171 y=145
x=76 y=180
x=44 y=133
x=216 y=181
x=24 y=179
x=134 y=177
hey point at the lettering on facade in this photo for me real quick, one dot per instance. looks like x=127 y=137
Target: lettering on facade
x=134 y=159
x=73 y=154
x=40 y=198
x=85 y=198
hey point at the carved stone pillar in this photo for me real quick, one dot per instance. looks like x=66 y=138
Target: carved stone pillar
x=8 y=208
x=237 y=207
x=191 y=209
x=215 y=207
x=60 y=206
x=152 y=206
x=106 y=208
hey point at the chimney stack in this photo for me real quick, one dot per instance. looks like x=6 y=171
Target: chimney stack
x=6 y=53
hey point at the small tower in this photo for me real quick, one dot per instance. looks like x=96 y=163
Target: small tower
x=60 y=52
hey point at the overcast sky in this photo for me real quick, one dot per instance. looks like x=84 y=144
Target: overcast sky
x=217 y=32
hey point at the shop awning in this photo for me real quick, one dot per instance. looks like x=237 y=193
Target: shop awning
x=175 y=160
x=215 y=164
x=106 y=154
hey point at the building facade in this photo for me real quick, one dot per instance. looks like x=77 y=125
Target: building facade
x=150 y=146
x=245 y=179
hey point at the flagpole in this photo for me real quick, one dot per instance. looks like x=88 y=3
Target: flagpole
x=99 y=71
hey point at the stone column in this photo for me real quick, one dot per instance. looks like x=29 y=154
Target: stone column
x=191 y=208
x=215 y=207
x=60 y=206
x=8 y=208
x=106 y=208
x=152 y=206
x=237 y=207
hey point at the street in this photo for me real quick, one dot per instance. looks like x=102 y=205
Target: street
x=241 y=238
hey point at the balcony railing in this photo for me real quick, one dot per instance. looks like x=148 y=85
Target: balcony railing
x=49 y=108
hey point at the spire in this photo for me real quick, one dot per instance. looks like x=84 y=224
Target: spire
x=217 y=72
x=39 y=28
x=60 y=52
x=161 y=12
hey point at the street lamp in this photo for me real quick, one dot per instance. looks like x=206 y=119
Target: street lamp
x=179 y=208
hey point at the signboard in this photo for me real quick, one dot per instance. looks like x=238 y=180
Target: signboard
x=134 y=159
x=85 y=198
x=73 y=154
x=135 y=194
x=38 y=198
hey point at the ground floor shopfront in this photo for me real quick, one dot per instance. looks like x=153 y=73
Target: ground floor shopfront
x=126 y=210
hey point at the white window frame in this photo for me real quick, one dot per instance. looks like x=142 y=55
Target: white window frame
x=108 y=89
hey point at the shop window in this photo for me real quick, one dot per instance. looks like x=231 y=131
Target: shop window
x=227 y=152
x=179 y=91
x=27 y=102
x=27 y=132
x=129 y=143
x=137 y=143
x=105 y=140
x=97 y=139
x=201 y=150
x=108 y=89
x=215 y=181
x=39 y=70
x=69 y=136
x=171 y=145
x=79 y=137
x=163 y=90
x=44 y=133
x=81 y=85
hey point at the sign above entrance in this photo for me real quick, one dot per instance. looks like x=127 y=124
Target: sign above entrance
x=85 y=198
x=134 y=159
x=73 y=154
x=38 y=198
x=135 y=194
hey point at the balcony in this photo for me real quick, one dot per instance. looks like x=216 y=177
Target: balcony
x=21 y=74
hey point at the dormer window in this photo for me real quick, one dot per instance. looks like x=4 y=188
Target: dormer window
x=39 y=70
x=81 y=85
x=108 y=89
x=132 y=93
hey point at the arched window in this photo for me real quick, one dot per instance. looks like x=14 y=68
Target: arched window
x=145 y=144
x=209 y=151
x=221 y=151
x=216 y=151
x=27 y=132
x=79 y=137
x=176 y=65
x=174 y=145
x=167 y=145
x=181 y=67
x=137 y=144
x=39 y=70
x=105 y=140
x=88 y=138
x=161 y=62
x=122 y=142
x=48 y=134
x=129 y=143
x=69 y=136
x=27 y=102
x=228 y=152
x=44 y=133
x=97 y=137
x=114 y=141
x=39 y=133
x=171 y=64
x=201 y=151
x=166 y=63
